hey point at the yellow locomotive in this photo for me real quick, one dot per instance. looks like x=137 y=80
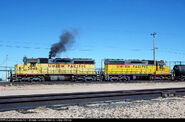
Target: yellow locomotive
x=83 y=69
x=40 y=69
x=119 y=70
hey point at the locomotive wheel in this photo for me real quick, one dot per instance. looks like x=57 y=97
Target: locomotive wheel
x=84 y=79
x=120 y=79
x=128 y=78
x=124 y=78
x=19 y=79
x=151 y=78
x=181 y=79
x=74 y=78
x=31 y=80
x=94 y=79
x=42 y=79
x=28 y=79
x=111 y=80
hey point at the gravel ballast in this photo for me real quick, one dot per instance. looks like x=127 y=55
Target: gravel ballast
x=156 y=108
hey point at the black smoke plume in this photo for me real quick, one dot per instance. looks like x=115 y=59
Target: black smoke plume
x=67 y=38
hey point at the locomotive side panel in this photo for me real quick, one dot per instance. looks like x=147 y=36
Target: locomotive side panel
x=129 y=69
x=55 y=69
x=136 y=69
x=21 y=69
x=163 y=71
x=75 y=69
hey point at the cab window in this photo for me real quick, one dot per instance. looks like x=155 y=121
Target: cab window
x=33 y=64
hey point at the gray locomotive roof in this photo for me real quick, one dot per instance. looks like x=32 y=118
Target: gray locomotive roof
x=132 y=61
x=126 y=60
x=129 y=61
x=74 y=60
x=56 y=60
x=83 y=59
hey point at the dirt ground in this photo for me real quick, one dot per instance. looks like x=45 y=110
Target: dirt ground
x=26 y=89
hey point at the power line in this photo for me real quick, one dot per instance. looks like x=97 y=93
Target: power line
x=25 y=42
x=7 y=67
x=37 y=48
x=26 y=47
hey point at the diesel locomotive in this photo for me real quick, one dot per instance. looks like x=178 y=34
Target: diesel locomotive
x=83 y=69
x=41 y=69
x=119 y=70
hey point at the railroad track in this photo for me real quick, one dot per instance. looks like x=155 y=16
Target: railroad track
x=4 y=83
x=32 y=101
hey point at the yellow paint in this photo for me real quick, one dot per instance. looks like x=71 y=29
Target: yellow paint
x=55 y=69
x=136 y=69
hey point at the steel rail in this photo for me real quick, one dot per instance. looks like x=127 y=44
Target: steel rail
x=7 y=101
x=85 y=95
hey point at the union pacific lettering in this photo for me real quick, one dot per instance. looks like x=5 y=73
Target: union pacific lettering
x=140 y=66
x=56 y=65
x=67 y=65
x=132 y=66
x=76 y=65
x=32 y=68
x=123 y=66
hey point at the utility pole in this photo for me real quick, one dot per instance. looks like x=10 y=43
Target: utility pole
x=153 y=34
x=6 y=67
x=101 y=71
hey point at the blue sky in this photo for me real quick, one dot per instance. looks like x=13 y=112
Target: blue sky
x=106 y=28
